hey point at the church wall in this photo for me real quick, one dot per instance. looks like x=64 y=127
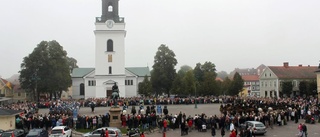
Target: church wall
x=132 y=90
x=76 y=87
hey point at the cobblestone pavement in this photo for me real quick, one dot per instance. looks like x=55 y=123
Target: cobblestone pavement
x=289 y=130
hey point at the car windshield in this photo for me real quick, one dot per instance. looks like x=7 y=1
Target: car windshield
x=259 y=125
x=56 y=131
x=6 y=134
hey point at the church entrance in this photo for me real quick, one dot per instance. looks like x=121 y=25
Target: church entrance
x=108 y=93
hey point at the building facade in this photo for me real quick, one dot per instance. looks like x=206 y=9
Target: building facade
x=250 y=78
x=109 y=60
x=272 y=77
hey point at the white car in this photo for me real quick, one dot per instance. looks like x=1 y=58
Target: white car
x=61 y=131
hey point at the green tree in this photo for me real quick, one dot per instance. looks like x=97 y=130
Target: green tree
x=72 y=63
x=209 y=84
x=145 y=87
x=198 y=73
x=303 y=87
x=164 y=72
x=236 y=84
x=45 y=70
x=312 y=87
x=225 y=86
x=189 y=82
x=222 y=74
x=287 y=87
x=178 y=86
x=183 y=70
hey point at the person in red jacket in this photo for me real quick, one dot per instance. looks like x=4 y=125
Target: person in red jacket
x=165 y=125
x=142 y=135
x=233 y=133
x=107 y=132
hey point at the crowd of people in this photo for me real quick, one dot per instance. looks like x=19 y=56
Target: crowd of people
x=234 y=111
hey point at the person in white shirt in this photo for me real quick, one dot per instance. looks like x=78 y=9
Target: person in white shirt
x=231 y=126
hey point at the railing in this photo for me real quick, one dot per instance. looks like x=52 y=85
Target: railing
x=119 y=20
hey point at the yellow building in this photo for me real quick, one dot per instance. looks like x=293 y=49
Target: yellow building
x=7 y=118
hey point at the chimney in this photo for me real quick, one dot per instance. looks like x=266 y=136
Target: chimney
x=286 y=64
x=300 y=65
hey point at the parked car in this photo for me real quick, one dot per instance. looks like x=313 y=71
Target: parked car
x=258 y=127
x=39 y=132
x=113 y=132
x=13 y=133
x=61 y=131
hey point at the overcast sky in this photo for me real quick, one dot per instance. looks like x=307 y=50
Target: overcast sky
x=229 y=33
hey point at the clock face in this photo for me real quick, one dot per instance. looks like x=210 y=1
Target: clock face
x=109 y=23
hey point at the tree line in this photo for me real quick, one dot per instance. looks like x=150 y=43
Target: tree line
x=188 y=81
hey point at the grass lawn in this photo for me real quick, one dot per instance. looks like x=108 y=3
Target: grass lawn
x=84 y=130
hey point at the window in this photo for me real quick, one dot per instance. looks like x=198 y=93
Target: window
x=19 y=94
x=270 y=74
x=270 y=83
x=129 y=82
x=274 y=83
x=109 y=58
x=91 y=83
x=265 y=93
x=109 y=45
x=110 y=8
x=110 y=70
x=81 y=89
x=261 y=84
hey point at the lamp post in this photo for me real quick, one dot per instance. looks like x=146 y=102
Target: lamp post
x=195 y=97
x=35 y=77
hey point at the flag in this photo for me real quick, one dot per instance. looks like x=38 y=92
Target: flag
x=8 y=84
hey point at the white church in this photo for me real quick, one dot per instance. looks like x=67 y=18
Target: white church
x=109 y=60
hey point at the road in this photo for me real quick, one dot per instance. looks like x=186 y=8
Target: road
x=289 y=130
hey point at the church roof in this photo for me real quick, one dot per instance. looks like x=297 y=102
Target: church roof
x=139 y=71
x=81 y=72
x=6 y=112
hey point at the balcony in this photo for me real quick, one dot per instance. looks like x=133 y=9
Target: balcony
x=117 y=20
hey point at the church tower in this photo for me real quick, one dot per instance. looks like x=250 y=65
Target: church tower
x=109 y=50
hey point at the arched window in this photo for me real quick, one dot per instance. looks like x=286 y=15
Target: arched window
x=81 y=89
x=110 y=8
x=109 y=45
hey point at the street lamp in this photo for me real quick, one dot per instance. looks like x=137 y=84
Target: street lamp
x=195 y=97
x=36 y=78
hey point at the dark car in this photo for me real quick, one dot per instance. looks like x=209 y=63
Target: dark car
x=1 y=131
x=13 y=133
x=39 y=132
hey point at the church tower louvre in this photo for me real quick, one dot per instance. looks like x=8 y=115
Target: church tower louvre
x=109 y=50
